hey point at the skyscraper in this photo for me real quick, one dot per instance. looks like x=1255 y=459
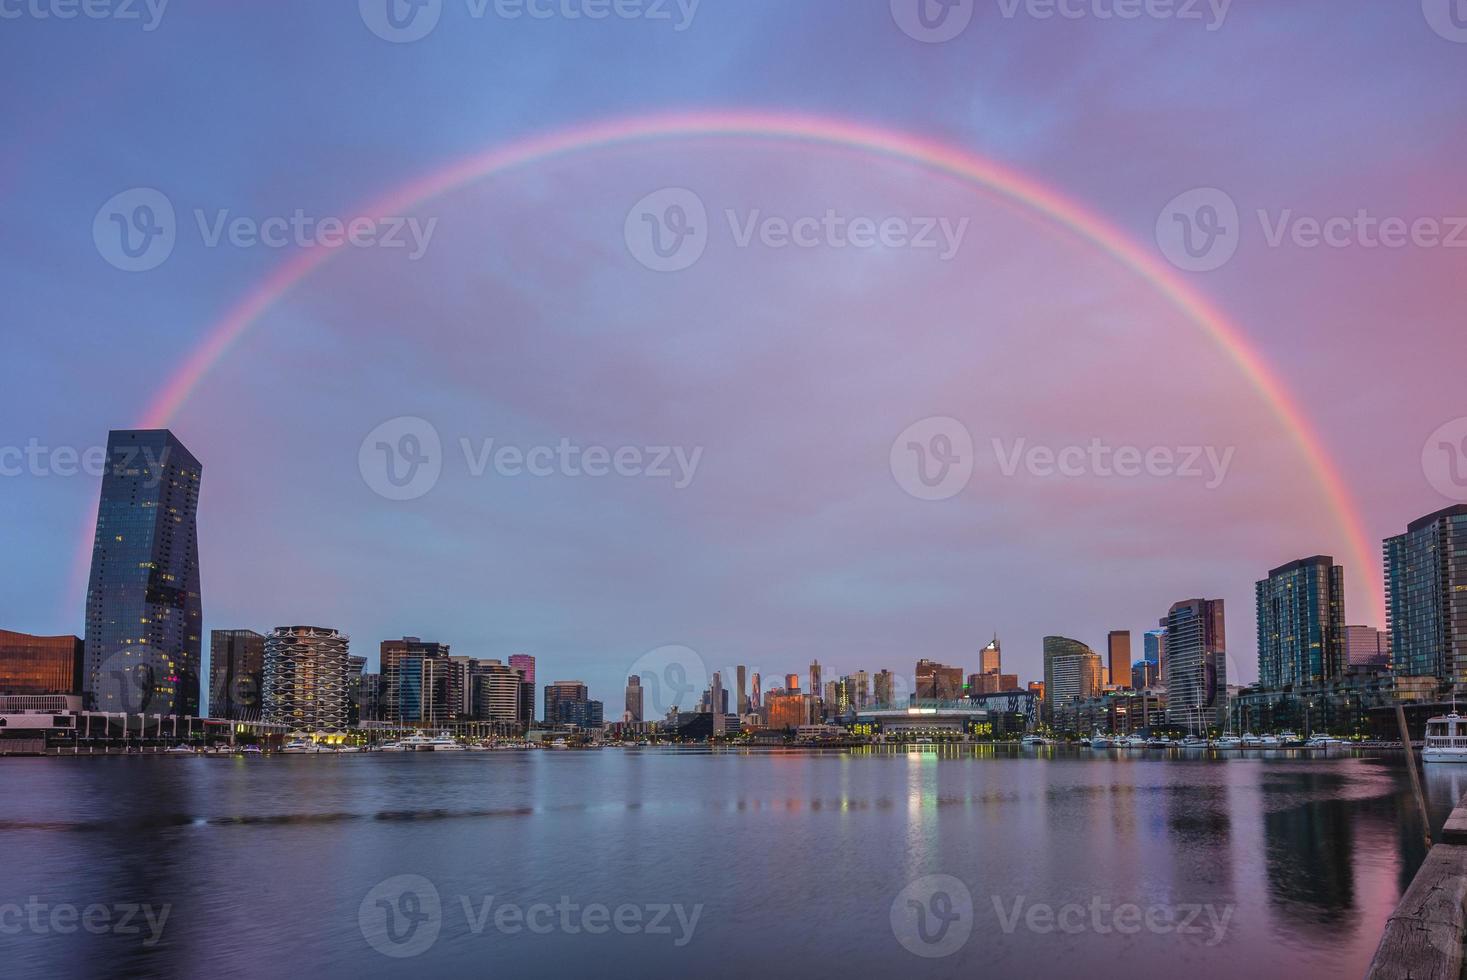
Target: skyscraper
x=755 y=698
x=1072 y=672
x=720 y=703
x=815 y=685
x=743 y=702
x=938 y=682
x=495 y=691
x=1301 y=622
x=417 y=683
x=792 y=683
x=306 y=678
x=1154 y=652
x=1426 y=597
x=990 y=658
x=1118 y=649
x=634 y=698
x=560 y=697
x=236 y=674
x=1367 y=648
x=862 y=697
x=144 y=611
x=525 y=664
x=1196 y=672
x=884 y=688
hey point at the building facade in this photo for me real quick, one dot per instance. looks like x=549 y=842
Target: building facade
x=418 y=683
x=990 y=658
x=938 y=682
x=495 y=691
x=1154 y=651
x=1367 y=648
x=634 y=698
x=307 y=677
x=1072 y=672
x=1426 y=597
x=144 y=610
x=525 y=664
x=1196 y=671
x=40 y=664
x=1301 y=622
x=1118 y=657
x=236 y=674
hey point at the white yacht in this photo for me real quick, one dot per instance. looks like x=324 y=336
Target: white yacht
x=1159 y=742
x=1035 y=740
x=1099 y=741
x=1194 y=742
x=1251 y=741
x=303 y=746
x=444 y=742
x=1229 y=742
x=1290 y=740
x=179 y=749
x=1269 y=742
x=416 y=743
x=1446 y=739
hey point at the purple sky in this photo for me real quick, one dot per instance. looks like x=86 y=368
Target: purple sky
x=529 y=320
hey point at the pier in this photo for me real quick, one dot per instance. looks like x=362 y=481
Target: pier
x=1425 y=936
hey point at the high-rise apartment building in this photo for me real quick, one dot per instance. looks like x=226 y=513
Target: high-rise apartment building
x=938 y=682
x=525 y=664
x=306 y=678
x=1154 y=651
x=1367 y=648
x=990 y=658
x=743 y=679
x=1301 y=623
x=1118 y=657
x=144 y=610
x=1426 y=597
x=420 y=686
x=815 y=682
x=559 y=696
x=634 y=698
x=495 y=692
x=236 y=674
x=1196 y=671
x=1072 y=672
x=884 y=687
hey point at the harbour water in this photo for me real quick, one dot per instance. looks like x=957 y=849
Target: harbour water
x=661 y=862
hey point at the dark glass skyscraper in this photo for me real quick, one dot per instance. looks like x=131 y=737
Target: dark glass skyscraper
x=144 y=614
x=1426 y=596
x=236 y=674
x=1196 y=664
x=1301 y=622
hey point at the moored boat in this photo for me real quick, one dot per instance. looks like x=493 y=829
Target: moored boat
x=1446 y=739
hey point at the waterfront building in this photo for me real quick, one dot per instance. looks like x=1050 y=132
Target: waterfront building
x=460 y=688
x=563 y=692
x=786 y=709
x=743 y=681
x=495 y=691
x=1426 y=597
x=884 y=688
x=1367 y=648
x=990 y=658
x=306 y=677
x=1153 y=650
x=1072 y=672
x=1144 y=674
x=861 y=696
x=1301 y=622
x=634 y=697
x=525 y=664
x=144 y=611
x=1012 y=711
x=369 y=697
x=40 y=664
x=815 y=686
x=1036 y=688
x=1196 y=672
x=1118 y=712
x=755 y=697
x=938 y=682
x=1345 y=705
x=417 y=685
x=719 y=701
x=991 y=683
x=1118 y=653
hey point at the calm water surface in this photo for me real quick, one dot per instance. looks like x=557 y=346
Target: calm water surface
x=792 y=863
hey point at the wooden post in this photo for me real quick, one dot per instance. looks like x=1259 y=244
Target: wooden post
x=1415 y=776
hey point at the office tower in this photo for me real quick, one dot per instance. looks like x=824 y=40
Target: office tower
x=743 y=702
x=1301 y=622
x=1367 y=648
x=1426 y=597
x=1118 y=664
x=831 y=696
x=990 y=659
x=236 y=674
x=1072 y=672
x=755 y=698
x=815 y=685
x=992 y=683
x=634 y=698
x=1143 y=675
x=144 y=611
x=525 y=664
x=937 y=682
x=460 y=686
x=306 y=672
x=417 y=683
x=1196 y=671
x=567 y=694
x=369 y=697
x=495 y=691
x=791 y=683
x=40 y=664
x=356 y=670
x=1154 y=651
x=1036 y=688
x=863 y=690
x=719 y=701
x=786 y=710
x=884 y=689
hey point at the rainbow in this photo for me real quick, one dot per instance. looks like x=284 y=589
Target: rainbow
x=1002 y=181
